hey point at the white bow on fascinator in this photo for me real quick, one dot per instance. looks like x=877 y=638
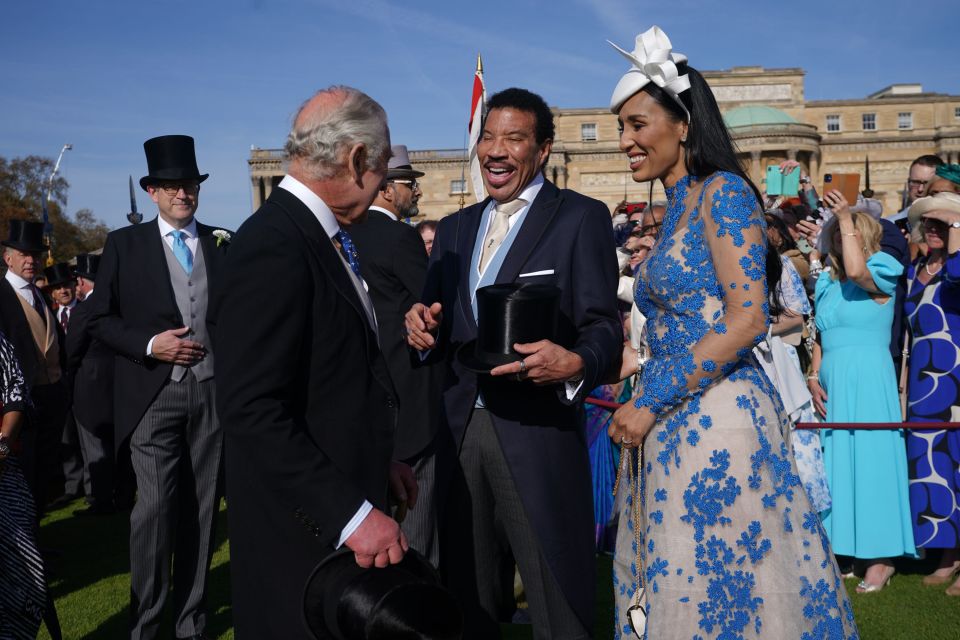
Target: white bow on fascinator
x=653 y=61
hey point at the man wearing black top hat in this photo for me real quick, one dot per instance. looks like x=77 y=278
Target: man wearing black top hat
x=393 y=263
x=521 y=485
x=153 y=287
x=32 y=328
x=90 y=367
x=61 y=287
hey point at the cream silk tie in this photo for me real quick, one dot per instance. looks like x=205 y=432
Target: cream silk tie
x=498 y=229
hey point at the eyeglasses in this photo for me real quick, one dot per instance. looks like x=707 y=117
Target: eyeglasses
x=413 y=184
x=916 y=183
x=648 y=229
x=173 y=188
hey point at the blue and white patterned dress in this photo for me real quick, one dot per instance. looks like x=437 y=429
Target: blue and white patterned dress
x=731 y=545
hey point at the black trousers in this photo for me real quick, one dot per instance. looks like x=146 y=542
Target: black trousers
x=487 y=534
x=40 y=454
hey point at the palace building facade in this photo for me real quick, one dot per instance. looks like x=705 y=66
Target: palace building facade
x=769 y=118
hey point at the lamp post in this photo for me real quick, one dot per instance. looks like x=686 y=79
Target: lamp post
x=134 y=217
x=47 y=227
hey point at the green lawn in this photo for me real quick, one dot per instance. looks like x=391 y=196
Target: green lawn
x=92 y=590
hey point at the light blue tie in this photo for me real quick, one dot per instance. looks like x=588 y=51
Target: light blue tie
x=182 y=252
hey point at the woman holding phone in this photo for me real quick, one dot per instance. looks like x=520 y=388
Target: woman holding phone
x=726 y=542
x=852 y=379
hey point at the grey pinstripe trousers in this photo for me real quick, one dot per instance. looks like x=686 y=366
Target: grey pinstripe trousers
x=176 y=452
x=489 y=534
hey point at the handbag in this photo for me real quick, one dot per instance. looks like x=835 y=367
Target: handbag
x=637 y=612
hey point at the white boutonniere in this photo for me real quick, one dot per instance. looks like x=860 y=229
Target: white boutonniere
x=221 y=236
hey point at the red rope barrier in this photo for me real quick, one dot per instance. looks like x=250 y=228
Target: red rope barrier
x=852 y=426
x=606 y=404
x=877 y=426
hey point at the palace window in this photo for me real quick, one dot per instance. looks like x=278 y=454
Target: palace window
x=956 y=113
x=588 y=131
x=869 y=122
x=904 y=120
x=833 y=122
x=458 y=187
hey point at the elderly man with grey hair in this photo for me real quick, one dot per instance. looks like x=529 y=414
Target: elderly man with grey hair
x=306 y=398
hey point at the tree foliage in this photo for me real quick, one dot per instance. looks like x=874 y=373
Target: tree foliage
x=23 y=188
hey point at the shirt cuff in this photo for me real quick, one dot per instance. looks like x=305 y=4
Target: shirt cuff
x=150 y=345
x=424 y=354
x=572 y=388
x=355 y=522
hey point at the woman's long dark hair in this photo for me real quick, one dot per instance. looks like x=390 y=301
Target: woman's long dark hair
x=709 y=149
x=777 y=223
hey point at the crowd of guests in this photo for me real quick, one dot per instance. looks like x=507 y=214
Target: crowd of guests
x=869 y=333
x=366 y=409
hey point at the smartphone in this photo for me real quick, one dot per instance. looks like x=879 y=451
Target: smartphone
x=774 y=181
x=846 y=183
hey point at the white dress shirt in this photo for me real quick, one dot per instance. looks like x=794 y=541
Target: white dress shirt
x=389 y=214
x=24 y=289
x=331 y=227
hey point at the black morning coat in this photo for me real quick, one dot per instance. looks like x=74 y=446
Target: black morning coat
x=90 y=366
x=133 y=302
x=393 y=262
x=543 y=438
x=307 y=407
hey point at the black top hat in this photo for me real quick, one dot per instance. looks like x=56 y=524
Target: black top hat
x=58 y=274
x=400 y=602
x=171 y=158
x=87 y=265
x=26 y=235
x=507 y=314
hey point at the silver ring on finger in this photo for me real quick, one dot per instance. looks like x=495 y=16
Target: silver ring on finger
x=523 y=366
x=623 y=440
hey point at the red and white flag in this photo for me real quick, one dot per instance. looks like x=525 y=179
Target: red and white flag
x=477 y=105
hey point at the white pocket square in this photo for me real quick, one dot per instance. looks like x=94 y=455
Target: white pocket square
x=545 y=272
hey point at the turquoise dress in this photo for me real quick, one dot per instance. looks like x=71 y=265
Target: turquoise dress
x=866 y=470
x=729 y=544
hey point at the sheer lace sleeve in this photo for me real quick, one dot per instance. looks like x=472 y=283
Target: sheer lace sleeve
x=13 y=390
x=735 y=235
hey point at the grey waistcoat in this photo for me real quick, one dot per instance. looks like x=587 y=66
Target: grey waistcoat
x=191 y=295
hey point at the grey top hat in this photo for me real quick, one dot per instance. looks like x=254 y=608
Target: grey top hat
x=399 y=165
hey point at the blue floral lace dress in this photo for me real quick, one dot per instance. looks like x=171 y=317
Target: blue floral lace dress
x=731 y=547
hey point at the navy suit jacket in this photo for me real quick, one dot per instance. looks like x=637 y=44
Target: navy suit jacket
x=542 y=437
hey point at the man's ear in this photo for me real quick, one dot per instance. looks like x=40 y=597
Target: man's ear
x=358 y=162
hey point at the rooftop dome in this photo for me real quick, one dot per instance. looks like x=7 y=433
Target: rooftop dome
x=753 y=116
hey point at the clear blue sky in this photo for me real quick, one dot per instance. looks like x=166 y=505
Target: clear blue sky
x=105 y=76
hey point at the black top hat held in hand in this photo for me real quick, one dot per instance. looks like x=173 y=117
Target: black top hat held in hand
x=25 y=235
x=171 y=158
x=404 y=601
x=508 y=314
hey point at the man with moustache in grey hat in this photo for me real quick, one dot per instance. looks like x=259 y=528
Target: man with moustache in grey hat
x=154 y=285
x=393 y=262
x=32 y=328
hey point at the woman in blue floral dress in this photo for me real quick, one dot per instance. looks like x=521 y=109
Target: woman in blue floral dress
x=730 y=546
x=932 y=310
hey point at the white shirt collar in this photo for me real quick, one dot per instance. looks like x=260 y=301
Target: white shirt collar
x=313 y=202
x=389 y=214
x=529 y=193
x=16 y=281
x=165 y=228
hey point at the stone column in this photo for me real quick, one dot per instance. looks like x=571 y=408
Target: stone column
x=756 y=172
x=791 y=154
x=815 y=167
x=267 y=187
x=257 y=194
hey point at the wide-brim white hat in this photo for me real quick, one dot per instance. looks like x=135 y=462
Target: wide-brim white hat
x=943 y=201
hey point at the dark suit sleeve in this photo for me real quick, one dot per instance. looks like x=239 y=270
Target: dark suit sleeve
x=410 y=261
x=893 y=243
x=264 y=338
x=78 y=338
x=594 y=269
x=106 y=321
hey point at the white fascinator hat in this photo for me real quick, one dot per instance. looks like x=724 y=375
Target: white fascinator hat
x=653 y=60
